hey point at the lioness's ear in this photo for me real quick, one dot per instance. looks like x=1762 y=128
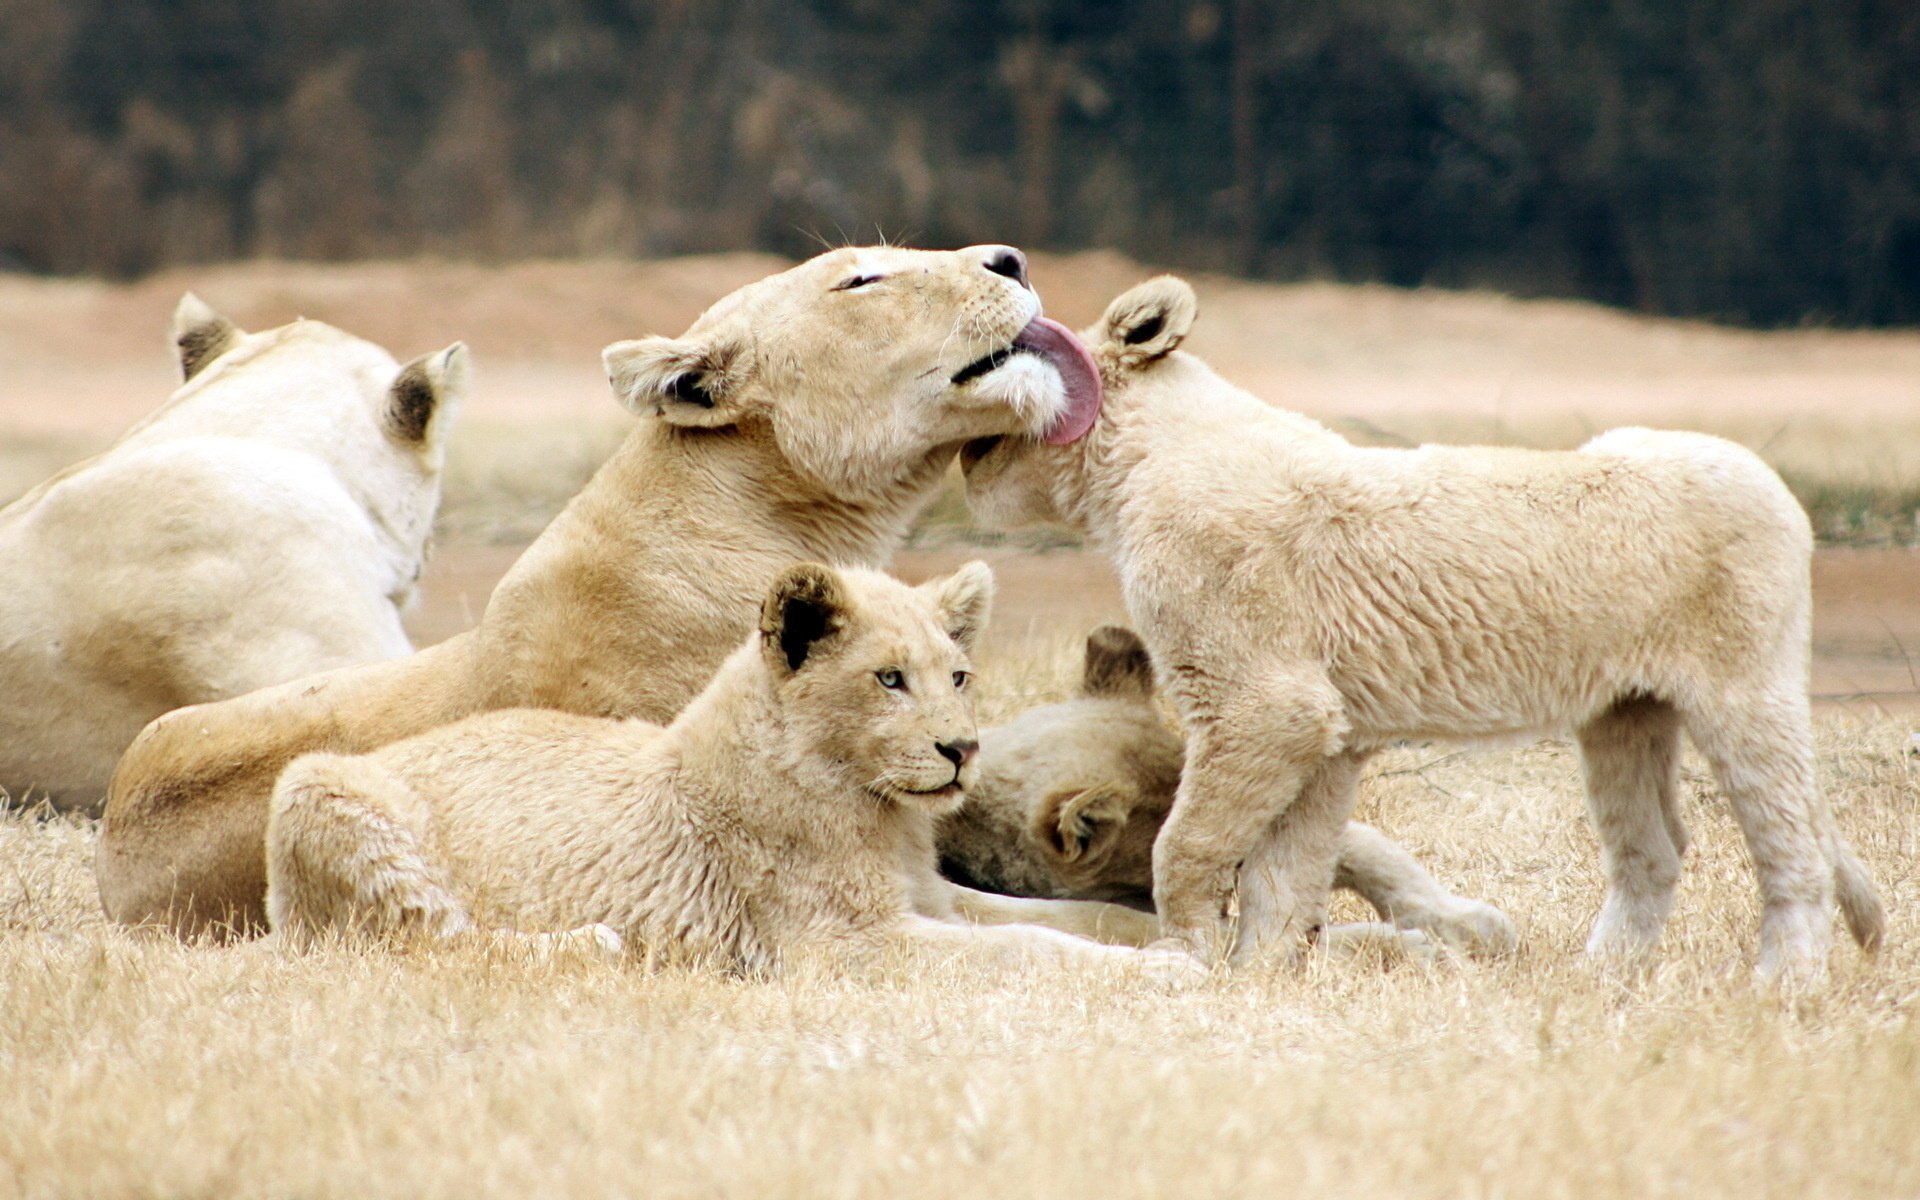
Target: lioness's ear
x=1149 y=320
x=1117 y=665
x=423 y=396
x=807 y=608
x=200 y=335
x=687 y=381
x=966 y=600
x=1081 y=824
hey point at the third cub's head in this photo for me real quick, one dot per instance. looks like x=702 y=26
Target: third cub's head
x=1088 y=781
x=872 y=678
x=871 y=364
x=1014 y=481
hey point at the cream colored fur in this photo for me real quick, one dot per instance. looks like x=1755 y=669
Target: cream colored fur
x=787 y=811
x=267 y=522
x=1072 y=795
x=1309 y=601
x=806 y=416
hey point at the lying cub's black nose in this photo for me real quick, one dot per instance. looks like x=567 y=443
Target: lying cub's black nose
x=957 y=753
x=1005 y=260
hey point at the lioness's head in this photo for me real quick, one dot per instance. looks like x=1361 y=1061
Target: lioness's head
x=871 y=363
x=871 y=677
x=1014 y=481
x=1072 y=795
x=380 y=424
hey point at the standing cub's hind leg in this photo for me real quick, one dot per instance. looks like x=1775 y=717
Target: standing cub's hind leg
x=1631 y=757
x=349 y=848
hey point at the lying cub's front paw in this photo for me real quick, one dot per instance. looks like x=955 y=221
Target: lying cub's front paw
x=1476 y=928
x=1169 y=964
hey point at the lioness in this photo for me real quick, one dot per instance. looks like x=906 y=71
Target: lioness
x=267 y=522
x=805 y=416
x=1309 y=601
x=1071 y=796
x=788 y=809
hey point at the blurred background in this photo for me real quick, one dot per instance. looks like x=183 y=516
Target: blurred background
x=1512 y=221
x=1755 y=161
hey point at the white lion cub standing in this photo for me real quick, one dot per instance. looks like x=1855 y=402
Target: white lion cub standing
x=1308 y=602
x=787 y=810
x=267 y=522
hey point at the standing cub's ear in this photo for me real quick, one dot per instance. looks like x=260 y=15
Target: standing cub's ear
x=807 y=608
x=966 y=600
x=425 y=393
x=686 y=381
x=200 y=335
x=1148 y=320
x=1118 y=665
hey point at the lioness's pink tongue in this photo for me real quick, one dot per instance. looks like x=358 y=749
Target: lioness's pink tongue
x=1071 y=358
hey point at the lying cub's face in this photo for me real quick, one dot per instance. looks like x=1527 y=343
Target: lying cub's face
x=1089 y=781
x=873 y=677
x=870 y=362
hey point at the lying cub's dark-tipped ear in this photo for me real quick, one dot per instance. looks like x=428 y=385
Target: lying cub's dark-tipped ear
x=424 y=395
x=200 y=335
x=1079 y=825
x=1117 y=664
x=687 y=381
x=807 y=608
x=1149 y=320
x=966 y=601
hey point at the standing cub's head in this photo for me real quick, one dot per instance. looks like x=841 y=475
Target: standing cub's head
x=871 y=364
x=1072 y=795
x=871 y=677
x=1014 y=481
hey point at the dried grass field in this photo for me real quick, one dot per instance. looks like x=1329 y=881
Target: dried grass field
x=135 y=1066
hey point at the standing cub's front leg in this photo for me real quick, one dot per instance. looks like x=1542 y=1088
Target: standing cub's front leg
x=1250 y=752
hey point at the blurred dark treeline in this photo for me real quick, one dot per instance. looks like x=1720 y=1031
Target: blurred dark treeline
x=1756 y=160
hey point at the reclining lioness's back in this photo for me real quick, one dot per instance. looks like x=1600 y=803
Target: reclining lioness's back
x=265 y=523
x=806 y=416
x=789 y=808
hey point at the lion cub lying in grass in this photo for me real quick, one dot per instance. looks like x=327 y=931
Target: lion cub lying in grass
x=1072 y=795
x=789 y=808
x=1309 y=601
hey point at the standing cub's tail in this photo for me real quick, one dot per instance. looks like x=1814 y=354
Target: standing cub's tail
x=1859 y=899
x=348 y=848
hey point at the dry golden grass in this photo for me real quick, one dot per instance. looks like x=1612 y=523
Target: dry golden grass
x=139 y=1067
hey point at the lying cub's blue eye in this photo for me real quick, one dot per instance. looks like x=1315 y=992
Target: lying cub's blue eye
x=856 y=281
x=960 y=679
x=891 y=680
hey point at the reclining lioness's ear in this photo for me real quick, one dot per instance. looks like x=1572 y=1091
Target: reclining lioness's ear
x=1080 y=824
x=200 y=335
x=1149 y=320
x=423 y=396
x=1117 y=664
x=966 y=600
x=807 y=609
x=687 y=381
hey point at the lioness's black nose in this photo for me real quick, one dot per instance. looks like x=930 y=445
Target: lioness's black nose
x=957 y=753
x=1005 y=260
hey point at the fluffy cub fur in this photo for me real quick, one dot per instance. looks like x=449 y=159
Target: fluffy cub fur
x=1072 y=795
x=267 y=522
x=788 y=809
x=807 y=416
x=1309 y=601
